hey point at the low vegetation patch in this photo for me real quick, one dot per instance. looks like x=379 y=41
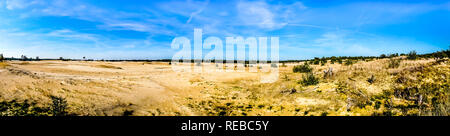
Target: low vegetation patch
x=27 y=108
x=309 y=79
x=394 y=63
x=305 y=68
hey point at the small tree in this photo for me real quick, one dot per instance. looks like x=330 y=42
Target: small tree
x=412 y=55
x=37 y=58
x=1 y=57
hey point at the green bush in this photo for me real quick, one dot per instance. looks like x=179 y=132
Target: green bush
x=348 y=62
x=59 y=106
x=339 y=61
x=323 y=61
x=316 y=62
x=310 y=79
x=412 y=55
x=305 y=68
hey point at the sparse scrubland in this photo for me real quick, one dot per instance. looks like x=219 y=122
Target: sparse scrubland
x=389 y=85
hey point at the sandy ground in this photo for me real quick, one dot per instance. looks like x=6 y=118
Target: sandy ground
x=107 y=88
x=154 y=88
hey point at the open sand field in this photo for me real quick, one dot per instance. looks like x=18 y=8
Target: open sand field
x=154 y=89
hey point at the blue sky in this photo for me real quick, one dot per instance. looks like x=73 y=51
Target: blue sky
x=137 y=29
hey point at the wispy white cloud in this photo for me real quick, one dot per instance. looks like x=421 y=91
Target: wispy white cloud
x=72 y=35
x=256 y=13
x=19 y=4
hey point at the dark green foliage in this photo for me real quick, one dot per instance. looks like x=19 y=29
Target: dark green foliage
x=393 y=55
x=25 y=108
x=323 y=61
x=349 y=62
x=1 y=57
x=310 y=79
x=340 y=61
x=59 y=106
x=305 y=68
x=440 y=55
x=316 y=61
x=412 y=55
x=333 y=60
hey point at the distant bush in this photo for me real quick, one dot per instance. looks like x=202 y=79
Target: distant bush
x=394 y=63
x=323 y=61
x=339 y=61
x=305 y=68
x=440 y=55
x=349 y=62
x=310 y=79
x=333 y=60
x=1 y=57
x=316 y=62
x=412 y=55
x=393 y=55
